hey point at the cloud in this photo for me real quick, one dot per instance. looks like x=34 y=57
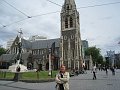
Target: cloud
x=117 y=39
x=99 y=25
x=106 y=18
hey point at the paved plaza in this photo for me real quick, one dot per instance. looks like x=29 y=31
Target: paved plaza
x=81 y=82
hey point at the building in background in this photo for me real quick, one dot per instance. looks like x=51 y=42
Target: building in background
x=117 y=60
x=113 y=59
x=111 y=56
x=9 y=43
x=87 y=60
x=37 y=38
x=85 y=44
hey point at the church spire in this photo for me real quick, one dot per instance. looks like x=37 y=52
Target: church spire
x=70 y=33
x=69 y=5
x=72 y=2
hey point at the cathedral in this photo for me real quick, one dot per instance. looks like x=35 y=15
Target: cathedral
x=68 y=48
x=71 y=45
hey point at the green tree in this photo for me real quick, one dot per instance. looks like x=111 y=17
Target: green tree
x=95 y=53
x=2 y=51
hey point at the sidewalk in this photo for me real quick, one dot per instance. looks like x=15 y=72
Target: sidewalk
x=81 y=82
x=103 y=82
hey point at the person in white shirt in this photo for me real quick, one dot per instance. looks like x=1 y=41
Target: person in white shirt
x=94 y=70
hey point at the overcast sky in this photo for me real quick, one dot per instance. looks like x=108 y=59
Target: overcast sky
x=99 y=25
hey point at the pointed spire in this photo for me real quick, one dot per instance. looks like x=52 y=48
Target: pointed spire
x=72 y=2
x=69 y=4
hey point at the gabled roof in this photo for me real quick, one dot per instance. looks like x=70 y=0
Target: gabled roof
x=45 y=43
x=41 y=44
x=26 y=44
x=9 y=57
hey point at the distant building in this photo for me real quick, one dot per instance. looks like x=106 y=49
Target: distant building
x=87 y=60
x=111 y=56
x=85 y=44
x=37 y=38
x=9 y=43
x=84 y=47
x=117 y=60
x=113 y=59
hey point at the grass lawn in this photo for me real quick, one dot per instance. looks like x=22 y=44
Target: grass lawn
x=30 y=75
x=7 y=76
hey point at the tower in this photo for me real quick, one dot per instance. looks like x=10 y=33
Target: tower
x=70 y=36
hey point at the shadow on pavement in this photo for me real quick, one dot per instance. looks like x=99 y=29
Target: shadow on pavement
x=8 y=85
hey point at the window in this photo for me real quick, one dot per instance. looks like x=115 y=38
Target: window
x=65 y=37
x=72 y=36
x=33 y=52
x=71 y=22
x=45 y=51
x=65 y=54
x=78 y=19
x=76 y=39
x=73 y=53
x=36 y=52
x=67 y=7
x=66 y=22
x=39 y=51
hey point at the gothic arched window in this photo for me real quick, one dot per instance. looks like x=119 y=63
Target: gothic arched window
x=72 y=36
x=67 y=7
x=66 y=22
x=71 y=22
x=78 y=19
x=65 y=37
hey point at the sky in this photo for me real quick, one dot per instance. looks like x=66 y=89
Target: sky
x=99 y=25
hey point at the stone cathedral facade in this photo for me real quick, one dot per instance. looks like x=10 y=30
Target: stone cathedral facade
x=71 y=45
x=68 y=48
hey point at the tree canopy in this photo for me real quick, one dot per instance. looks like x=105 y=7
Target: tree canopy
x=2 y=51
x=95 y=53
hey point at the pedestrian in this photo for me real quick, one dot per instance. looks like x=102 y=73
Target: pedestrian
x=94 y=70
x=113 y=70
x=76 y=72
x=62 y=79
x=106 y=69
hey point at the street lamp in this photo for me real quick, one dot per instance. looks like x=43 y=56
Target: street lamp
x=50 y=69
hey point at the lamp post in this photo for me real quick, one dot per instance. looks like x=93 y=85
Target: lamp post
x=50 y=69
